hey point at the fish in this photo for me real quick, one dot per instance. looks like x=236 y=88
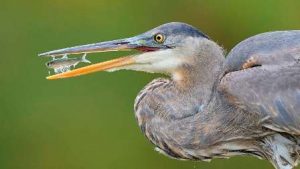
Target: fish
x=65 y=64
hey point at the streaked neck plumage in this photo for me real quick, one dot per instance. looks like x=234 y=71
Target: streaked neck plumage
x=174 y=103
x=201 y=69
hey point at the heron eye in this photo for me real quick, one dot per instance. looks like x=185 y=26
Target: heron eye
x=159 y=38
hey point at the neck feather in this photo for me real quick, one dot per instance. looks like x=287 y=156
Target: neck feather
x=202 y=69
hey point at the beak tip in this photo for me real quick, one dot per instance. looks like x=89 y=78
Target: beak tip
x=51 y=53
x=50 y=78
x=43 y=54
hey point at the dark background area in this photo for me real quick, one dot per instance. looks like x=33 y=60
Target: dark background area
x=88 y=122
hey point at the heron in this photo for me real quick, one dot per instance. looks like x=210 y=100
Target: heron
x=207 y=105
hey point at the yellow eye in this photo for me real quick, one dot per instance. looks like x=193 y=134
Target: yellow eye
x=159 y=38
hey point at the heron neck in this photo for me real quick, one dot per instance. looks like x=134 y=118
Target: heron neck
x=201 y=72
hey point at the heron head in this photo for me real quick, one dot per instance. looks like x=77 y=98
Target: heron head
x=161 y=50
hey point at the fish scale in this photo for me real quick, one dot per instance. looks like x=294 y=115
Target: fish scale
x=64 y=64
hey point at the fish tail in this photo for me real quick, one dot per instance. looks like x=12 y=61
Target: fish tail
x=83 y=59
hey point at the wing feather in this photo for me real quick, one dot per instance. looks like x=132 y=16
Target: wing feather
x=271 y=87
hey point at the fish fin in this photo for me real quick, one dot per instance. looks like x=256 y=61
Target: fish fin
x=74 y=65
x=65 y=56
x=83 y=59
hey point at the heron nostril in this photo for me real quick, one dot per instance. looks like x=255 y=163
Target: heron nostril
x=121 y=43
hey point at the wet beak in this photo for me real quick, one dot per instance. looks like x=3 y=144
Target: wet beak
x=102 y=66
x=115 y=45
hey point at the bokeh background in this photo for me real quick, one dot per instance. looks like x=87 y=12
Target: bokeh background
x=88 y=122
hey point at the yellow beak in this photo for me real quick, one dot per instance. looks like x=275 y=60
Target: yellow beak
x=115 y=63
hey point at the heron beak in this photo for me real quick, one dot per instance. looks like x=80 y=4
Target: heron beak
x=136 y=43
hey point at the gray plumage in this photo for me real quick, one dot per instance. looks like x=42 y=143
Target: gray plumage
x=212 y=106
x=224 y=109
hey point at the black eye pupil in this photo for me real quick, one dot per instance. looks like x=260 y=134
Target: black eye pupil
x=159 y=38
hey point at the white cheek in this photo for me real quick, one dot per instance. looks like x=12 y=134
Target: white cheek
x=153 y=57
x=166 y=65
x=160 y=61
x=163 y=61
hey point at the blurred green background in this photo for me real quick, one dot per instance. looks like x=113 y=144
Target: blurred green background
x=88 y=122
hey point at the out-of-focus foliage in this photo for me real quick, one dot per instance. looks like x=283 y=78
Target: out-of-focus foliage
x=88 y=122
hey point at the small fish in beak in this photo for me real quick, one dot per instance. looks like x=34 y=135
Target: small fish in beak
x=64 y=64
x=154 y=54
